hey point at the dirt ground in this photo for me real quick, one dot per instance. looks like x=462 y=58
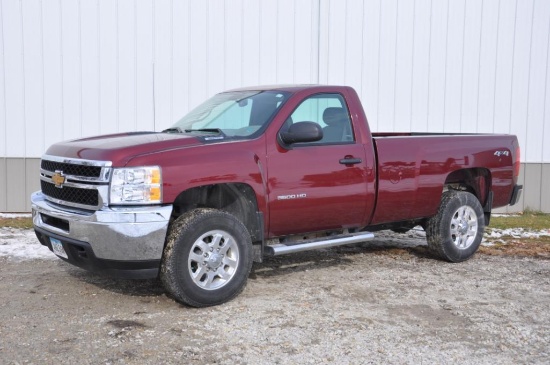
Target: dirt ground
x=367 y=304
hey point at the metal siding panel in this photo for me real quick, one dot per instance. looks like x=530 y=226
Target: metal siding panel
x=3 y=186
x=34 y=78
x=3 y=132
x=53 y=76
x=187 y=58
x=233 y=44
x=144 y=66
x=404 y=66
x=454 y=66
x=504 y=65
x=90 y=67
x=487 y=61
x=286 y=54
x=438 y=45
x=32 y=181
x=532 y=186
x=305 y=42
x=421 y=66
x=163 y=76
x=251 y=42
x=268 y=43
x=15 y=185
x=216 y=49
x=470 y=76
x=520 y=72
x=537 y=82
x=386 y=86
x=324 y=44
x=371 y=61
x=126 y=55
x=108 y=67
x=545 y=192
x=546 y=108
x=337 y=36
x=72 y=70
x=14 y=78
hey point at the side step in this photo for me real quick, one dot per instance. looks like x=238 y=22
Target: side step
x=344 y=239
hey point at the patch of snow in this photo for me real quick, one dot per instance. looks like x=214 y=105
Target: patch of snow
x=22 y=244
x=15 y=215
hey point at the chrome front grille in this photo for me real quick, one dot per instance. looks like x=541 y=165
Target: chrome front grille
x=75 y=182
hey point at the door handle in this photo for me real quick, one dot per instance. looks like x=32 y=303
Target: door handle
x=350 y=161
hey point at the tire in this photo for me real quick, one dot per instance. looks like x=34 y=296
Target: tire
x=455 y=232
x=207 y=258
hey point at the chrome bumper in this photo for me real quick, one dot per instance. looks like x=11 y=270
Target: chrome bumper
x=122 y=234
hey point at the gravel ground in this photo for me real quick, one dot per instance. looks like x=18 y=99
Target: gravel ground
x=386 y=301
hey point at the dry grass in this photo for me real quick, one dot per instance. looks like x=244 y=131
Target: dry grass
x=24 y=223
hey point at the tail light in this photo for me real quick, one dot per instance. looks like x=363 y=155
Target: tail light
x=517 y=163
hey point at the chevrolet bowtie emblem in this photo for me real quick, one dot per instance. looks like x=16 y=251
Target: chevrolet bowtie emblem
x=58 y=179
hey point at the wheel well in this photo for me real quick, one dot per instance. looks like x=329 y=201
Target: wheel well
x=476 y=181
x=237 y=199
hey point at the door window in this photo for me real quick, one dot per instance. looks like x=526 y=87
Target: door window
x=329 y=111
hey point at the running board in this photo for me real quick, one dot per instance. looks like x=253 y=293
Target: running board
x=282 y=249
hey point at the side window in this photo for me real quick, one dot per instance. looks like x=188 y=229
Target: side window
x=330 y=112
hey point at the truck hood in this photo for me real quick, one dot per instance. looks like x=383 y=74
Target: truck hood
x=120 y=148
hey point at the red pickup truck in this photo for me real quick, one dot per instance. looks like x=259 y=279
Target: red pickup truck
x=263 y=171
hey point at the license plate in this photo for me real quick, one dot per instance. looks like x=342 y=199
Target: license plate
x=58 y=249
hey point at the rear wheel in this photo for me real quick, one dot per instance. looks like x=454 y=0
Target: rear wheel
x=455 y=232
x=207 y=259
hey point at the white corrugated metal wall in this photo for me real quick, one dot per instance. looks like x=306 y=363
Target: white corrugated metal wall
x=72 y=68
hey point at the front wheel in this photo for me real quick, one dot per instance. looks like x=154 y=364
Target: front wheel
x=207 y=258
x=455 y=232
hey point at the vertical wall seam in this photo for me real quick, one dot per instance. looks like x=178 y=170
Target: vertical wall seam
x=154 y=58
x=98 y=25
x=24 y=84
x=378 y=66
x=4 y=132
x=362 y=46
x=412 y=66
x=345 y=39
x=529 y=76
x=80 y=84
x=429 y=68
x=62 y=81
x=513 y=67
x=445 y=75
x=135 y=66
x=43 y=127
x=117 y=62
x=462 y=66
x=172 y=57
x=395 y=52
x=545 y=95
x=318 y=32
x=496 y=68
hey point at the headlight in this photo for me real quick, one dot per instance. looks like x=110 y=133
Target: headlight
x=136 y=185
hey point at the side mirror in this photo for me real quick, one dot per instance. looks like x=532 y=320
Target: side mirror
x=302 y=132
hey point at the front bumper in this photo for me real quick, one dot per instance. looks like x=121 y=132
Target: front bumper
x=123 y=242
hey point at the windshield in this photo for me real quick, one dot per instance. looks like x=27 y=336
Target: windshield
x=231 y=114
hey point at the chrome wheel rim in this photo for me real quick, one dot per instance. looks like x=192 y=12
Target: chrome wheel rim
x=464 y=227
x=213 y=260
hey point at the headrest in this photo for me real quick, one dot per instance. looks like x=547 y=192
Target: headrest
x=334 y=116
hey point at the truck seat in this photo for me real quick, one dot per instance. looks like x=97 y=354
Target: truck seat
x=337 y=120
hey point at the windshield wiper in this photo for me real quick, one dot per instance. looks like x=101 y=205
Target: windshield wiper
x=173 y=130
